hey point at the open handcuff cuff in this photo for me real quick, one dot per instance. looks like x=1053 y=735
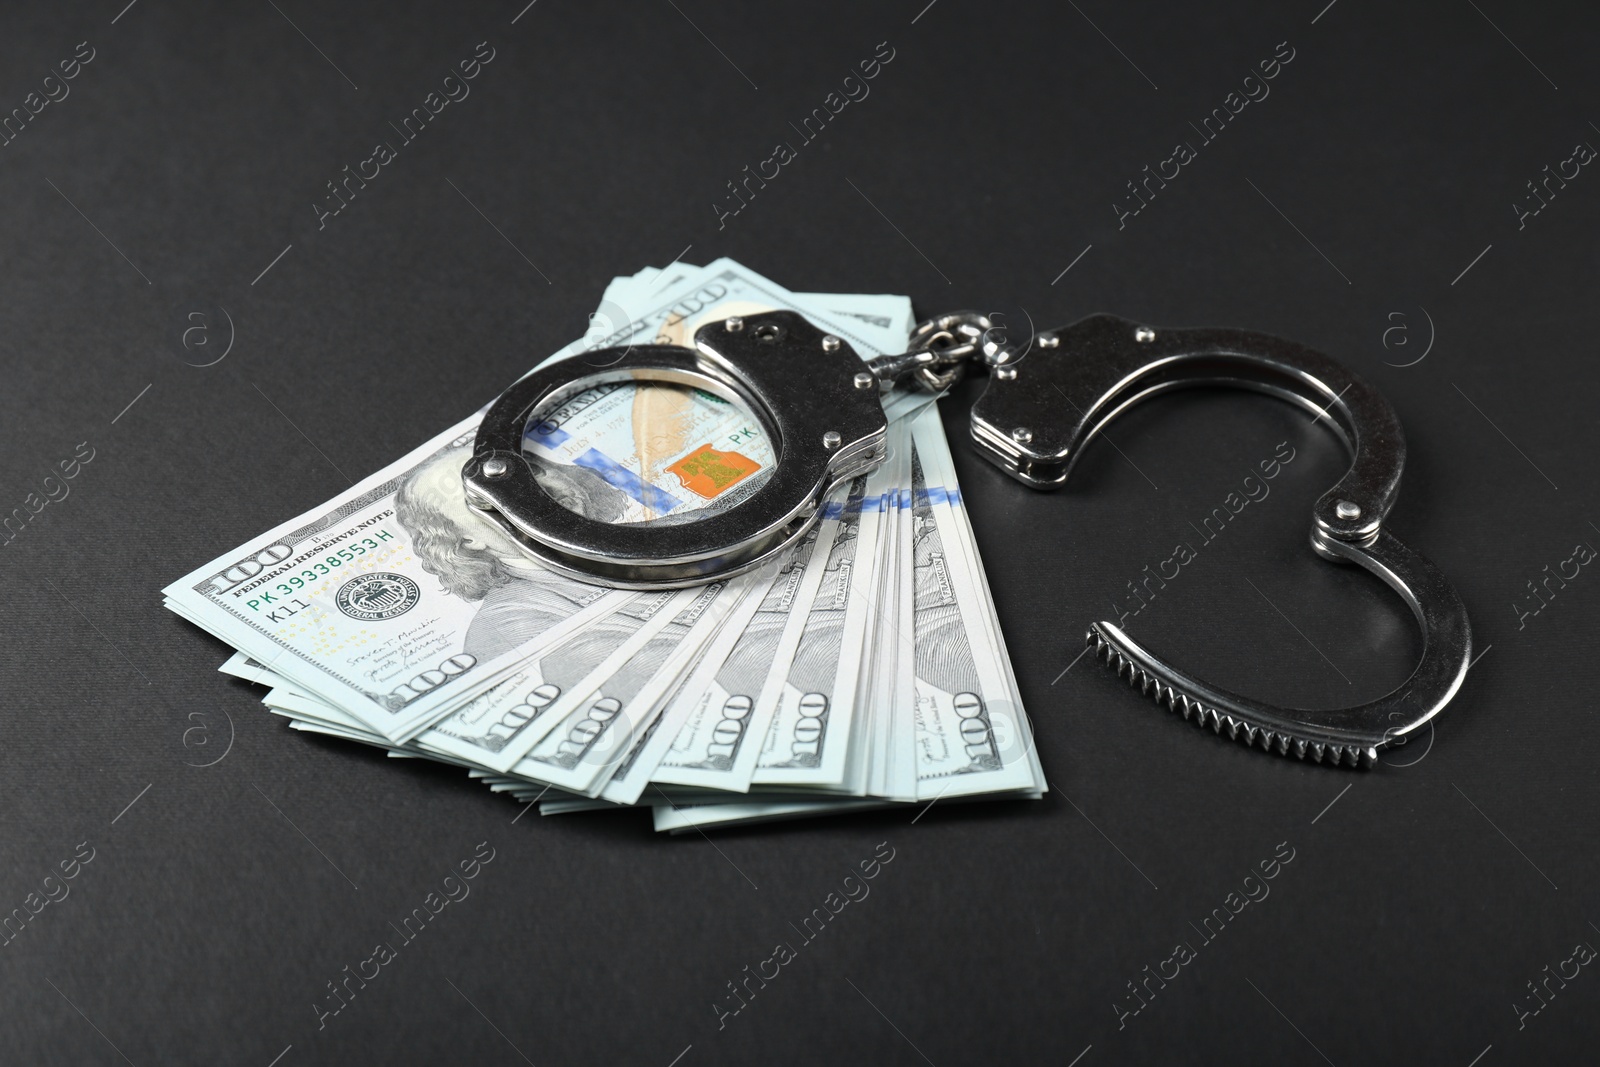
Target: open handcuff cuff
x=821 y=406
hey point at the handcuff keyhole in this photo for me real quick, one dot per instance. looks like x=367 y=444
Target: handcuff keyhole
x=768 y=333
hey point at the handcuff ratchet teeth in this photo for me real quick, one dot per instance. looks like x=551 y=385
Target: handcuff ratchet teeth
x=1036 y=417
x=1042 y=406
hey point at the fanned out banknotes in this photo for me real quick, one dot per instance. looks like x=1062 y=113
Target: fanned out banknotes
x=865 y=668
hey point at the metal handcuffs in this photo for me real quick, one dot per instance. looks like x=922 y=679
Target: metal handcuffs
x=820 y=404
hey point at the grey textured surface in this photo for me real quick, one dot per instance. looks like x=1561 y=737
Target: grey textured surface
x=1371 y=191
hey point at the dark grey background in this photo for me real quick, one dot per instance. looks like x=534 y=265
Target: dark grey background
x=992 y=149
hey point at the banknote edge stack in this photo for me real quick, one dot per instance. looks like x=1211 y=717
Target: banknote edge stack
x=866 y=669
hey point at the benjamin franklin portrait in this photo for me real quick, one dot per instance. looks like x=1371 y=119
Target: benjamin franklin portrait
x=518 y=599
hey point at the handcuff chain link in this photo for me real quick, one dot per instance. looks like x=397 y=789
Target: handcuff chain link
x=938 y=351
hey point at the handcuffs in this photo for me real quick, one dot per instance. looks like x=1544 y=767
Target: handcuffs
x=820 y=404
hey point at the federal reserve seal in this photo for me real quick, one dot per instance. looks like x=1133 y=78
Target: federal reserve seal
x=378 y=596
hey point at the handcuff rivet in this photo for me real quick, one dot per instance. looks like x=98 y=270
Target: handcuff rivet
x=1048 y=340
x=1022 y=435
x=831 y=439
x=865 y=380
x=1346 y=510
x=830 y=343
x=495 y=467
x=733 y=325
x=1006 y=374
x=1144 y=335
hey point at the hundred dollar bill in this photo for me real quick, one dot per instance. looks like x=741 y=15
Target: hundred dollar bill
x=813 y=689
x=896 y=778
x=1014 y=733
x=719 y=736
x=392 y=601
x=619 y=711
x=311 y=726
x=628 y=784
x=397 y=604
x=680 y=818
x=496 y=729
x=971 y=735
x=832 y=559
x=294 y=706
x=888 y=313
x=630 y=290
x=884 y=319
x=630 y=452
x=616 y=431
x=517 y=711
x=653 y=452
x=496 y=726
x=240 y=665
x=590 y=743
x=883 y=592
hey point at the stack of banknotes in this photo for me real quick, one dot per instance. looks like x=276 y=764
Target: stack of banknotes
x=865 y=668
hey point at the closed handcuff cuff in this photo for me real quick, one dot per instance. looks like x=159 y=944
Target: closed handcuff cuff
x=822 y=407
